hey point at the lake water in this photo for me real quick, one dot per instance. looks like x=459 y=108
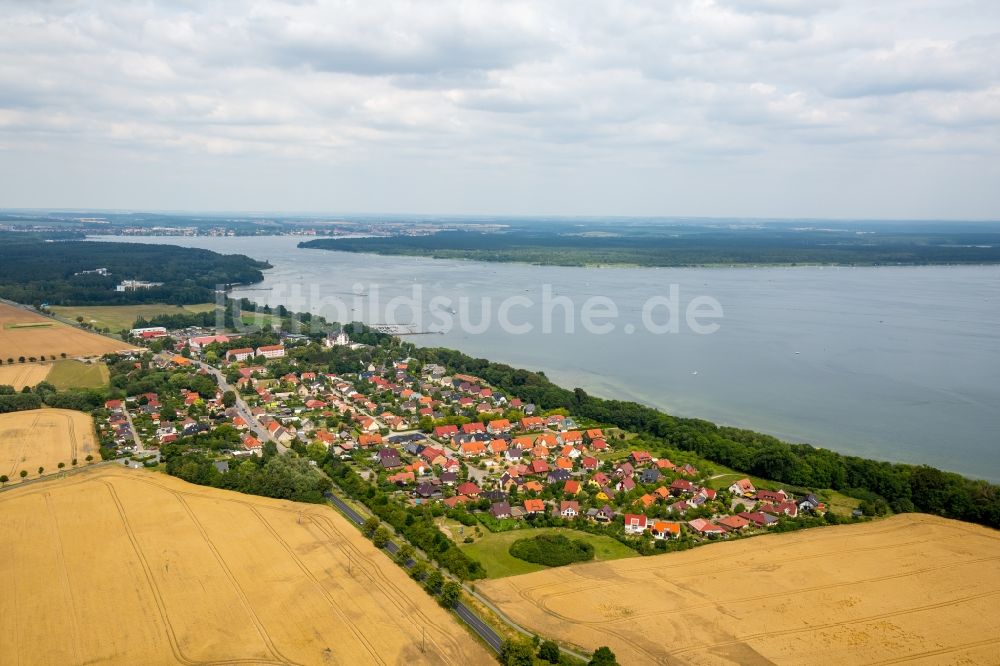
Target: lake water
x=895 y=363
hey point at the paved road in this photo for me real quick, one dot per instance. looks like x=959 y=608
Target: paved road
x=139 y=448
x=484 y=630
x=260 y=431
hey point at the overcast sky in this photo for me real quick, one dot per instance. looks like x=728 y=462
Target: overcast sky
x=755 y=108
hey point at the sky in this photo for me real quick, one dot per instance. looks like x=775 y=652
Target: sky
x=740 y=108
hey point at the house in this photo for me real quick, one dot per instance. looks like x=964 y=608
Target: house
x=705 y=528
x=664 y=530
x=635 y=523
x=650 y=475
x=498 y=426
x=625 y=470
x=594 y=433
x=370 y=440
x=733 y=523
x=197 y=343
x=472 y=449
x=811 y=503
x=539 y=466
x=534 y=506
x=743 y=487
x=557 y=476
x=427 y=490
x=790 y=509
x=271 y=351
x=590 y=463
x=468 y=488
x=532 y=423
x=758 y=518
x=474 y=427
x=252 y=444
x=389 y=458
x=600 y=479
x=641 y=457
x=572 y=487
x=500 y=510
x=771 y=496
x=239 y=354
x=569 y=509
x=681 y=486
x=401 y=478
x=452 y=502
x=445 y=431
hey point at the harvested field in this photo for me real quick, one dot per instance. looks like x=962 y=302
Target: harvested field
x=135 y=567
x=20 y=375
x=24 y=333
x=909 y=588
x=45 y=438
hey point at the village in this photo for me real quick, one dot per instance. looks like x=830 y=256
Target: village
x=429 y=436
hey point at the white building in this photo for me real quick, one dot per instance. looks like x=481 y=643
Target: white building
x=271 y=351
x=135 y=285
x=339 y=340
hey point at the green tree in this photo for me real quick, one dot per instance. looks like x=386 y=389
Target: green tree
x=450 y=594
x=405 y=553
x=434 y=582
x=516 y=653
x=229 y=398
x=380 y=537
x=603 y=656
x=3 y=480
x=370 y=525
x=549 y=652
x=316 y=450
x=24 y=473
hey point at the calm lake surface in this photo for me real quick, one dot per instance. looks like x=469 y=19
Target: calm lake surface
x=896 y=363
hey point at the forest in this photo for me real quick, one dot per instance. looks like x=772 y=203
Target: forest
x=36 y=271
x=679 y=246
x=883 y=485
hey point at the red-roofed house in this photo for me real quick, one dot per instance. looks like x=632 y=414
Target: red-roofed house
x=445 y=431
x=534 y=506
x=635 y=523
x=664 y=530
x=271 y=351
x=468 y=488
x=239 y=354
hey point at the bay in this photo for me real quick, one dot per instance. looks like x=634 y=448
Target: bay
x=893 y=363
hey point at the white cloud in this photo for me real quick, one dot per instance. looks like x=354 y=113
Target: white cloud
x=372 y=106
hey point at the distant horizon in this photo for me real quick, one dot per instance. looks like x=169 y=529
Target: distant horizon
x=483 y=217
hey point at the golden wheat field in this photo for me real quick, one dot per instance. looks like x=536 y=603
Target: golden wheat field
x=24 y=333
x=912 y=588
x=21 y=375
x=45 y=438
x=119 y=566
